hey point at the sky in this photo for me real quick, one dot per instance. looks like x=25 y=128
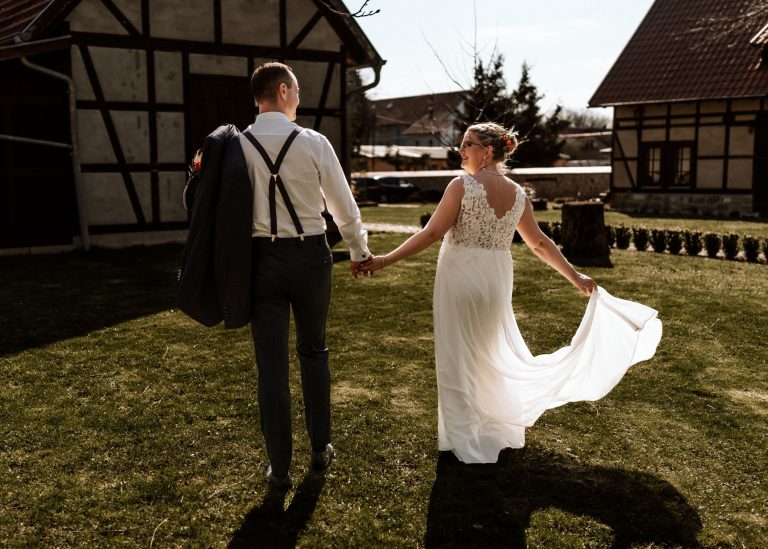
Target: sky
x=569 y=44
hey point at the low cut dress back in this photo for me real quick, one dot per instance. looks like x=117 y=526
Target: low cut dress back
x=490 y=386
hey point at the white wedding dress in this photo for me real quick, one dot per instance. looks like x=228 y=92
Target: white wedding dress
x=490 y=386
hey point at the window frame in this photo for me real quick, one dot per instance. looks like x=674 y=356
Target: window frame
x=669 y=160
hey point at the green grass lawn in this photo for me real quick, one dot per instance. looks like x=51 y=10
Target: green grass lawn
x=408 y=214
x=126 y=424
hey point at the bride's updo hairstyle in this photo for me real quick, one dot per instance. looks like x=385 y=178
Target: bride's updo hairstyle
x=504 y=142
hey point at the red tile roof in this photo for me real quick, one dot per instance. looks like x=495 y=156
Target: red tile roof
x=690 y=49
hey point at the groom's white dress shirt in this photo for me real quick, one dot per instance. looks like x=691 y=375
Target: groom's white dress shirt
x=310 y=172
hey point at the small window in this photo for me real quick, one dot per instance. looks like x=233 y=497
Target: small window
x=682 y=176
x=666 y=165
x=654 y=167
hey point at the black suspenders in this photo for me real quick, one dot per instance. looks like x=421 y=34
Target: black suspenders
x=275 y=181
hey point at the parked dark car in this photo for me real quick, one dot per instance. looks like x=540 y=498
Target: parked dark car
x=383 y=189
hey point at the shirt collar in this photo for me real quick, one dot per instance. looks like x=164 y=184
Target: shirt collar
x=272 y=115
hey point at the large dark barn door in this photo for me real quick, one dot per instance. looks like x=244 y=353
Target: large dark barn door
x=760 y=179
x=216 y=100
x=37 y=192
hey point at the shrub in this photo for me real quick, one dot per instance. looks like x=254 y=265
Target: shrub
x=424 y=219
x=692 y=242
x=516 y=238
x=546 y=228
x=712 y=244
x=751 y=246
x=659 y=240
x=557 y=232
x=674 y=242
x=640 y=238
x=610 y=236
x=731 y=245
x=623 y=236
x=765 y=248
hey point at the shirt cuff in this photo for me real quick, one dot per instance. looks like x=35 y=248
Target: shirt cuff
x=359 y=255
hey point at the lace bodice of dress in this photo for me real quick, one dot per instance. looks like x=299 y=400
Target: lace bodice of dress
x=477 y=225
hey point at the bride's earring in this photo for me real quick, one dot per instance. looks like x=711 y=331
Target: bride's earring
x=482 y=164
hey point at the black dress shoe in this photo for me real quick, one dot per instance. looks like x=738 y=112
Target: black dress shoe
x=280 y=483
x=322 y=460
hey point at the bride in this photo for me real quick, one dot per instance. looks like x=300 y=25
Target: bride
x=490 y=386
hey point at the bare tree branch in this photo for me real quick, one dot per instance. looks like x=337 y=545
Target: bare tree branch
x=359 y=13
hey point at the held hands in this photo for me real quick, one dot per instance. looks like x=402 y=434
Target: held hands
x=367 y=267
x=584 y=284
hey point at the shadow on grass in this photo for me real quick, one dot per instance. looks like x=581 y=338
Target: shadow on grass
x=47 y=298
x=271 y=525
x=492 y=505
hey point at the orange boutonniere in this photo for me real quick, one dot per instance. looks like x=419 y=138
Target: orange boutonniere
x=197 y=161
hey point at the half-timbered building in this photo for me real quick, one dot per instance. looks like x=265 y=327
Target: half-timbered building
x=149 y=79
x=690 y=98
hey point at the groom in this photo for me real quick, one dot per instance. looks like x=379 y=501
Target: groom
x=293 y=171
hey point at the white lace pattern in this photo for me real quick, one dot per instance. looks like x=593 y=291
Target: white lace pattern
x=477 y=225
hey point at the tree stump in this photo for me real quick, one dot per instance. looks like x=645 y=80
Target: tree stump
x=584 y=240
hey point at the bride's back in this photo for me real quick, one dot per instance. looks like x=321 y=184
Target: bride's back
x=500 y=191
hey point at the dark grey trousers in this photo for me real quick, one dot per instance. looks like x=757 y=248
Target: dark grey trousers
x=289 y=274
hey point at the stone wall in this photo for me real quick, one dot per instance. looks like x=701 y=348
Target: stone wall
x=725 y=205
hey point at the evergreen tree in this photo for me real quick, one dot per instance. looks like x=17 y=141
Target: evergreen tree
x=489 y=101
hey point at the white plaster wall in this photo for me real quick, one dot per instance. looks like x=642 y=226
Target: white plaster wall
x=711 y=140
x=311 y=76
x=655 y=110
x=742 y=140
x=133 y=134
x=122 y=73
x=169 y=85
x=107 y=199
x=628 y=143
x=745 y=105
x=621 y=178
x=654 y=134
x=682 y=134
x=218 y=64
x=80 y=76
x=683 y=108
x=709 y=174
x=740 y=173
x=321 y=37
x=182 y=19
x=92 y=16
x=249 y=22
x=171 y=185
x=95 y=147
x=713 y=107
x=170 y=137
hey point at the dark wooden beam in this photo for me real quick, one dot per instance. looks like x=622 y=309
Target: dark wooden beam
x=283 y=25
x=112 y=133
x=206 y=48
x=217 y=25
x=299 y=38
x=324 y=95
x=120 y=16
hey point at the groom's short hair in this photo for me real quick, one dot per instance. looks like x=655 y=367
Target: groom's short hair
x=267 y=78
